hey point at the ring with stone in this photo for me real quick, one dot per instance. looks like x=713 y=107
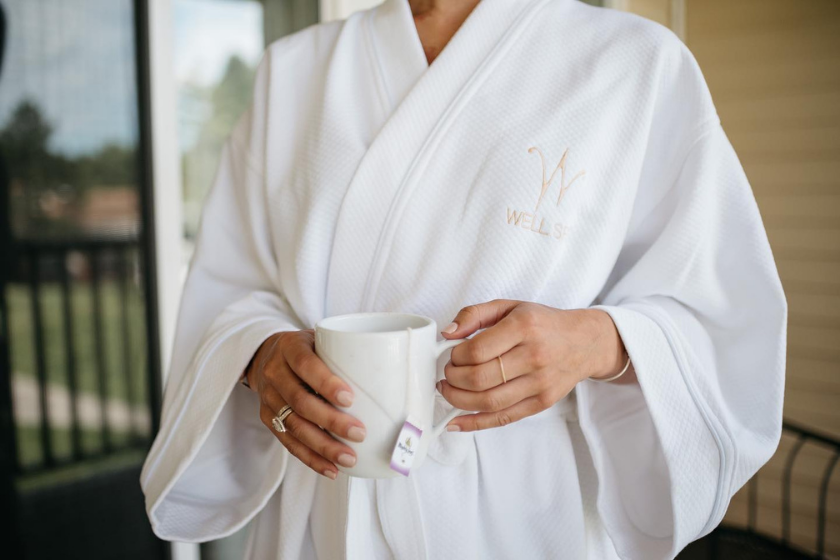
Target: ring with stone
x=277 y=421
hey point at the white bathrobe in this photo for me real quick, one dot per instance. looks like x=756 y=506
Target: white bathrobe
x=553 y=152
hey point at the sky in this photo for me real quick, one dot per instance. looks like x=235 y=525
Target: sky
x=209 y=32
x=76 y=61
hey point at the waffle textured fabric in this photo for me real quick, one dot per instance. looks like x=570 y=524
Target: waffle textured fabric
x=554 y=152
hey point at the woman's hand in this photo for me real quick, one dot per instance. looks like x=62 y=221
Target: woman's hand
x=286 y=370
x=546 y=352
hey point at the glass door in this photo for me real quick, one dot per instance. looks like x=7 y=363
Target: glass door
x=78 y=353
x=217 y=47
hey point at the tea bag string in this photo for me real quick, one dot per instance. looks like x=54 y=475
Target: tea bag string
x=413 y=393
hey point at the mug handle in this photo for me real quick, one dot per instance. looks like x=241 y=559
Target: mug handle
x=439 y=349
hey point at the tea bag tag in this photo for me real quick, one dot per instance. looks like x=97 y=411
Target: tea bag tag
x=408 y=442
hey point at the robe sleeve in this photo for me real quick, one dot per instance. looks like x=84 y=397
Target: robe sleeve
x=213 y=465
x=697 y=300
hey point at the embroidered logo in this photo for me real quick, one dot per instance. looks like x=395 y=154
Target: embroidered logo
x=531 y=221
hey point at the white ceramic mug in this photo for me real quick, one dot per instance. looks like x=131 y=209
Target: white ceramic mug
x=390 y=360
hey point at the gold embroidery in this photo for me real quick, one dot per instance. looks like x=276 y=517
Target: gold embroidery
x=545 y=184
x=535 y=224
x=530 y=221
x=514 y=217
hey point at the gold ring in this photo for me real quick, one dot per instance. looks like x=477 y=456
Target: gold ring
x=502 y=365
x=277 y=421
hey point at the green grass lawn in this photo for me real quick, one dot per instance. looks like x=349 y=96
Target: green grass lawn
x=120 y=376
x=117 y=375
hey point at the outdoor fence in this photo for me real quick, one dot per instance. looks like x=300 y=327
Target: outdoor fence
x=78 y=331
x=756 y=535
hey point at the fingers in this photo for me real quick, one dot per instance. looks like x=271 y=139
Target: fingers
x=496 y=399
x=299 y=354
x=291 y=390
x=485 y=420
x=486 y=345
x=517 y=362
x=319 y=441
x=291 y=380
x=306 y=455
x=478 y=316
x=308 y=433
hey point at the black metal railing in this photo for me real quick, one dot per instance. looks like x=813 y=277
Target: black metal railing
x=115 y=333
x=803 y=436
x=751 y=541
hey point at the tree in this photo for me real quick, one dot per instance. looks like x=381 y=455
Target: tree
x=24 y=142
x=47 y=188
x=228 y=100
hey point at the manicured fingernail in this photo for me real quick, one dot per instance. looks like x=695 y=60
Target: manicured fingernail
x=356 y=433
x=453 y=428
x=346 y=460
x=450 y=328
x=344 y=398
x=330 y=474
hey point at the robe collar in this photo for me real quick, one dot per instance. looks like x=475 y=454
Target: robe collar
x=424 y=99
x=397 y=49
x=399 y=52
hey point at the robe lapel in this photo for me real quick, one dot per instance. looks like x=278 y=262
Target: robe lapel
x=424 y=103
x=396 y=49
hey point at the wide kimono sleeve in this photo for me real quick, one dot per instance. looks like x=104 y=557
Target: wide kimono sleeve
x=213 y=465
x=697 y=300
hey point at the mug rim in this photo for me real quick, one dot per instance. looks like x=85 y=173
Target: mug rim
x=319 y=325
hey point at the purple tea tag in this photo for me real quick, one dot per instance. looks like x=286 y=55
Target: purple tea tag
x=406 y=447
